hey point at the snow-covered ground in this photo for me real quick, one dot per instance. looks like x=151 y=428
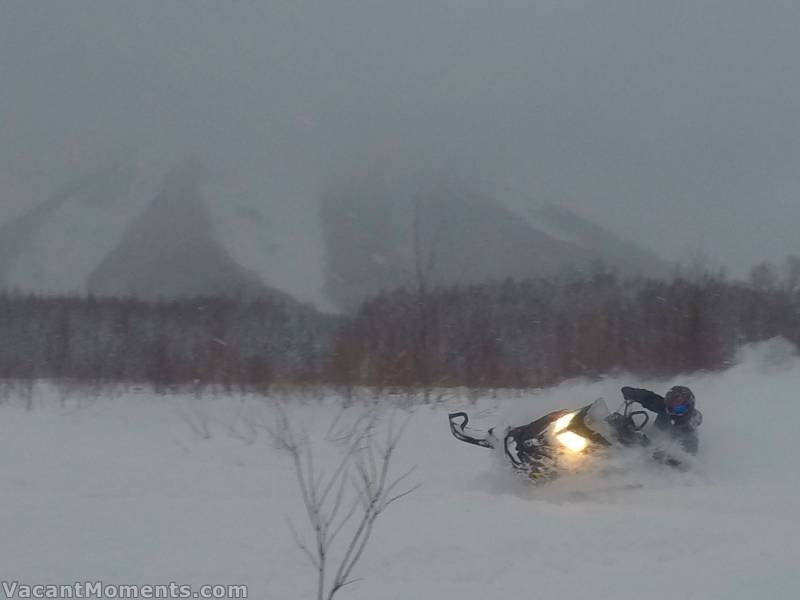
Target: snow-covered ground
x=146 y=489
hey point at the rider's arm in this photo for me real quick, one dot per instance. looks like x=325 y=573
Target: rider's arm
x=649 y=400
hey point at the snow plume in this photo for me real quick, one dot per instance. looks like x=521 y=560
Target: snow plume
x=204 y=493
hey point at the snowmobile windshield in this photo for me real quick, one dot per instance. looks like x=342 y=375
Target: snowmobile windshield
x=596 y=418
x=598 y=412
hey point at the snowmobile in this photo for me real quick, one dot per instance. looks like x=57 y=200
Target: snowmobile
x=561 y=441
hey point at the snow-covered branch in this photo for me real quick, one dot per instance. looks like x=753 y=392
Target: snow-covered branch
x=342 y=523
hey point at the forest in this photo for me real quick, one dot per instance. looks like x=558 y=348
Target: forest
x=506 y=334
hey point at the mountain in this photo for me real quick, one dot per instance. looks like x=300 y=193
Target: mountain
x=445 y=234
x=170 y=250
x=54 y=247
x=138 y=228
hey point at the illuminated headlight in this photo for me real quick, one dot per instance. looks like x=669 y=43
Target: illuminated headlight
x=563 y=422
x=570 y=440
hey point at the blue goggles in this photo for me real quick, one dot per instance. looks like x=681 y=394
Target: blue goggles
x=678 y=410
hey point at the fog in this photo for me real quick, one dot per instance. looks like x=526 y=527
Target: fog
x=675 y=125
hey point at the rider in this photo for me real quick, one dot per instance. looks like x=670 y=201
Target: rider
x=676 y=412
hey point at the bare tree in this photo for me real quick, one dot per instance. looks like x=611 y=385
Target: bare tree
x=425 y=249
x=342 y=523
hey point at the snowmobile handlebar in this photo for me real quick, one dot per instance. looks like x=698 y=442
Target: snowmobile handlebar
x=629 y=415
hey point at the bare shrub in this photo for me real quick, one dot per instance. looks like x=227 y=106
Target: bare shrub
x=342 y=523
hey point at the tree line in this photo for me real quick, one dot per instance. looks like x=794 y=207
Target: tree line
x=539 y=332
x=204 y=340
x=499 y=334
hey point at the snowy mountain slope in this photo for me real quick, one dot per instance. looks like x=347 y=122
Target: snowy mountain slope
x=131 y=490
x=448 y=234
x=111 y=233
x=275 y=235
x=55 y=246
x=569 y=227
x=614 y=251
x=170 y=250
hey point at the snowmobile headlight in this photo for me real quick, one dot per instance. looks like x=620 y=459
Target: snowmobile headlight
x=572 y=441
x=569 y=439
x=563 y=422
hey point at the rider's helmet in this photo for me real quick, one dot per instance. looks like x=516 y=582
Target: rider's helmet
x=679 y=402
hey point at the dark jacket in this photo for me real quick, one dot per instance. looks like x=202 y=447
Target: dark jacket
x=684 y=429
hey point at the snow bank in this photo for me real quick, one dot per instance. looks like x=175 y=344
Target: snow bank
x=142 y=489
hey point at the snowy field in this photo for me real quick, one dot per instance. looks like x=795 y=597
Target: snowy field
x=147 y=489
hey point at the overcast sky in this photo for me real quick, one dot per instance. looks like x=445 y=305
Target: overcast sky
x=675 y=124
